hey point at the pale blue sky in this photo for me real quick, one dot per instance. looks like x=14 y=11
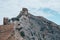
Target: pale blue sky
x=49 y=9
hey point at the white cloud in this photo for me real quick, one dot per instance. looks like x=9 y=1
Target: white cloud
x=52 y=4
x=11 y=8
x=41 y=13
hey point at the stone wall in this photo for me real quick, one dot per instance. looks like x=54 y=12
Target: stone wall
x=6 y=31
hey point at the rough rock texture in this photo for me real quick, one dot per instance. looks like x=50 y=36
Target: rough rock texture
x=30 y=27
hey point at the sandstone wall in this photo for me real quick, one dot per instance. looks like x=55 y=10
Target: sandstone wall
x=6 y=31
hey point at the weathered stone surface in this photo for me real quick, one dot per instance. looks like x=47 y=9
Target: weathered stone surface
x=37 y=28
x=30 y=27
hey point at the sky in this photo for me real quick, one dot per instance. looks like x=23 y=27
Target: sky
x=49 y=9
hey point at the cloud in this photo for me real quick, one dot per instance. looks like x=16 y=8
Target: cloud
x=38 y=3
x=14 y=6
x=48 y=10
x=37 y=12
x=52 y=4
x=8 y=8
x=11 y=8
